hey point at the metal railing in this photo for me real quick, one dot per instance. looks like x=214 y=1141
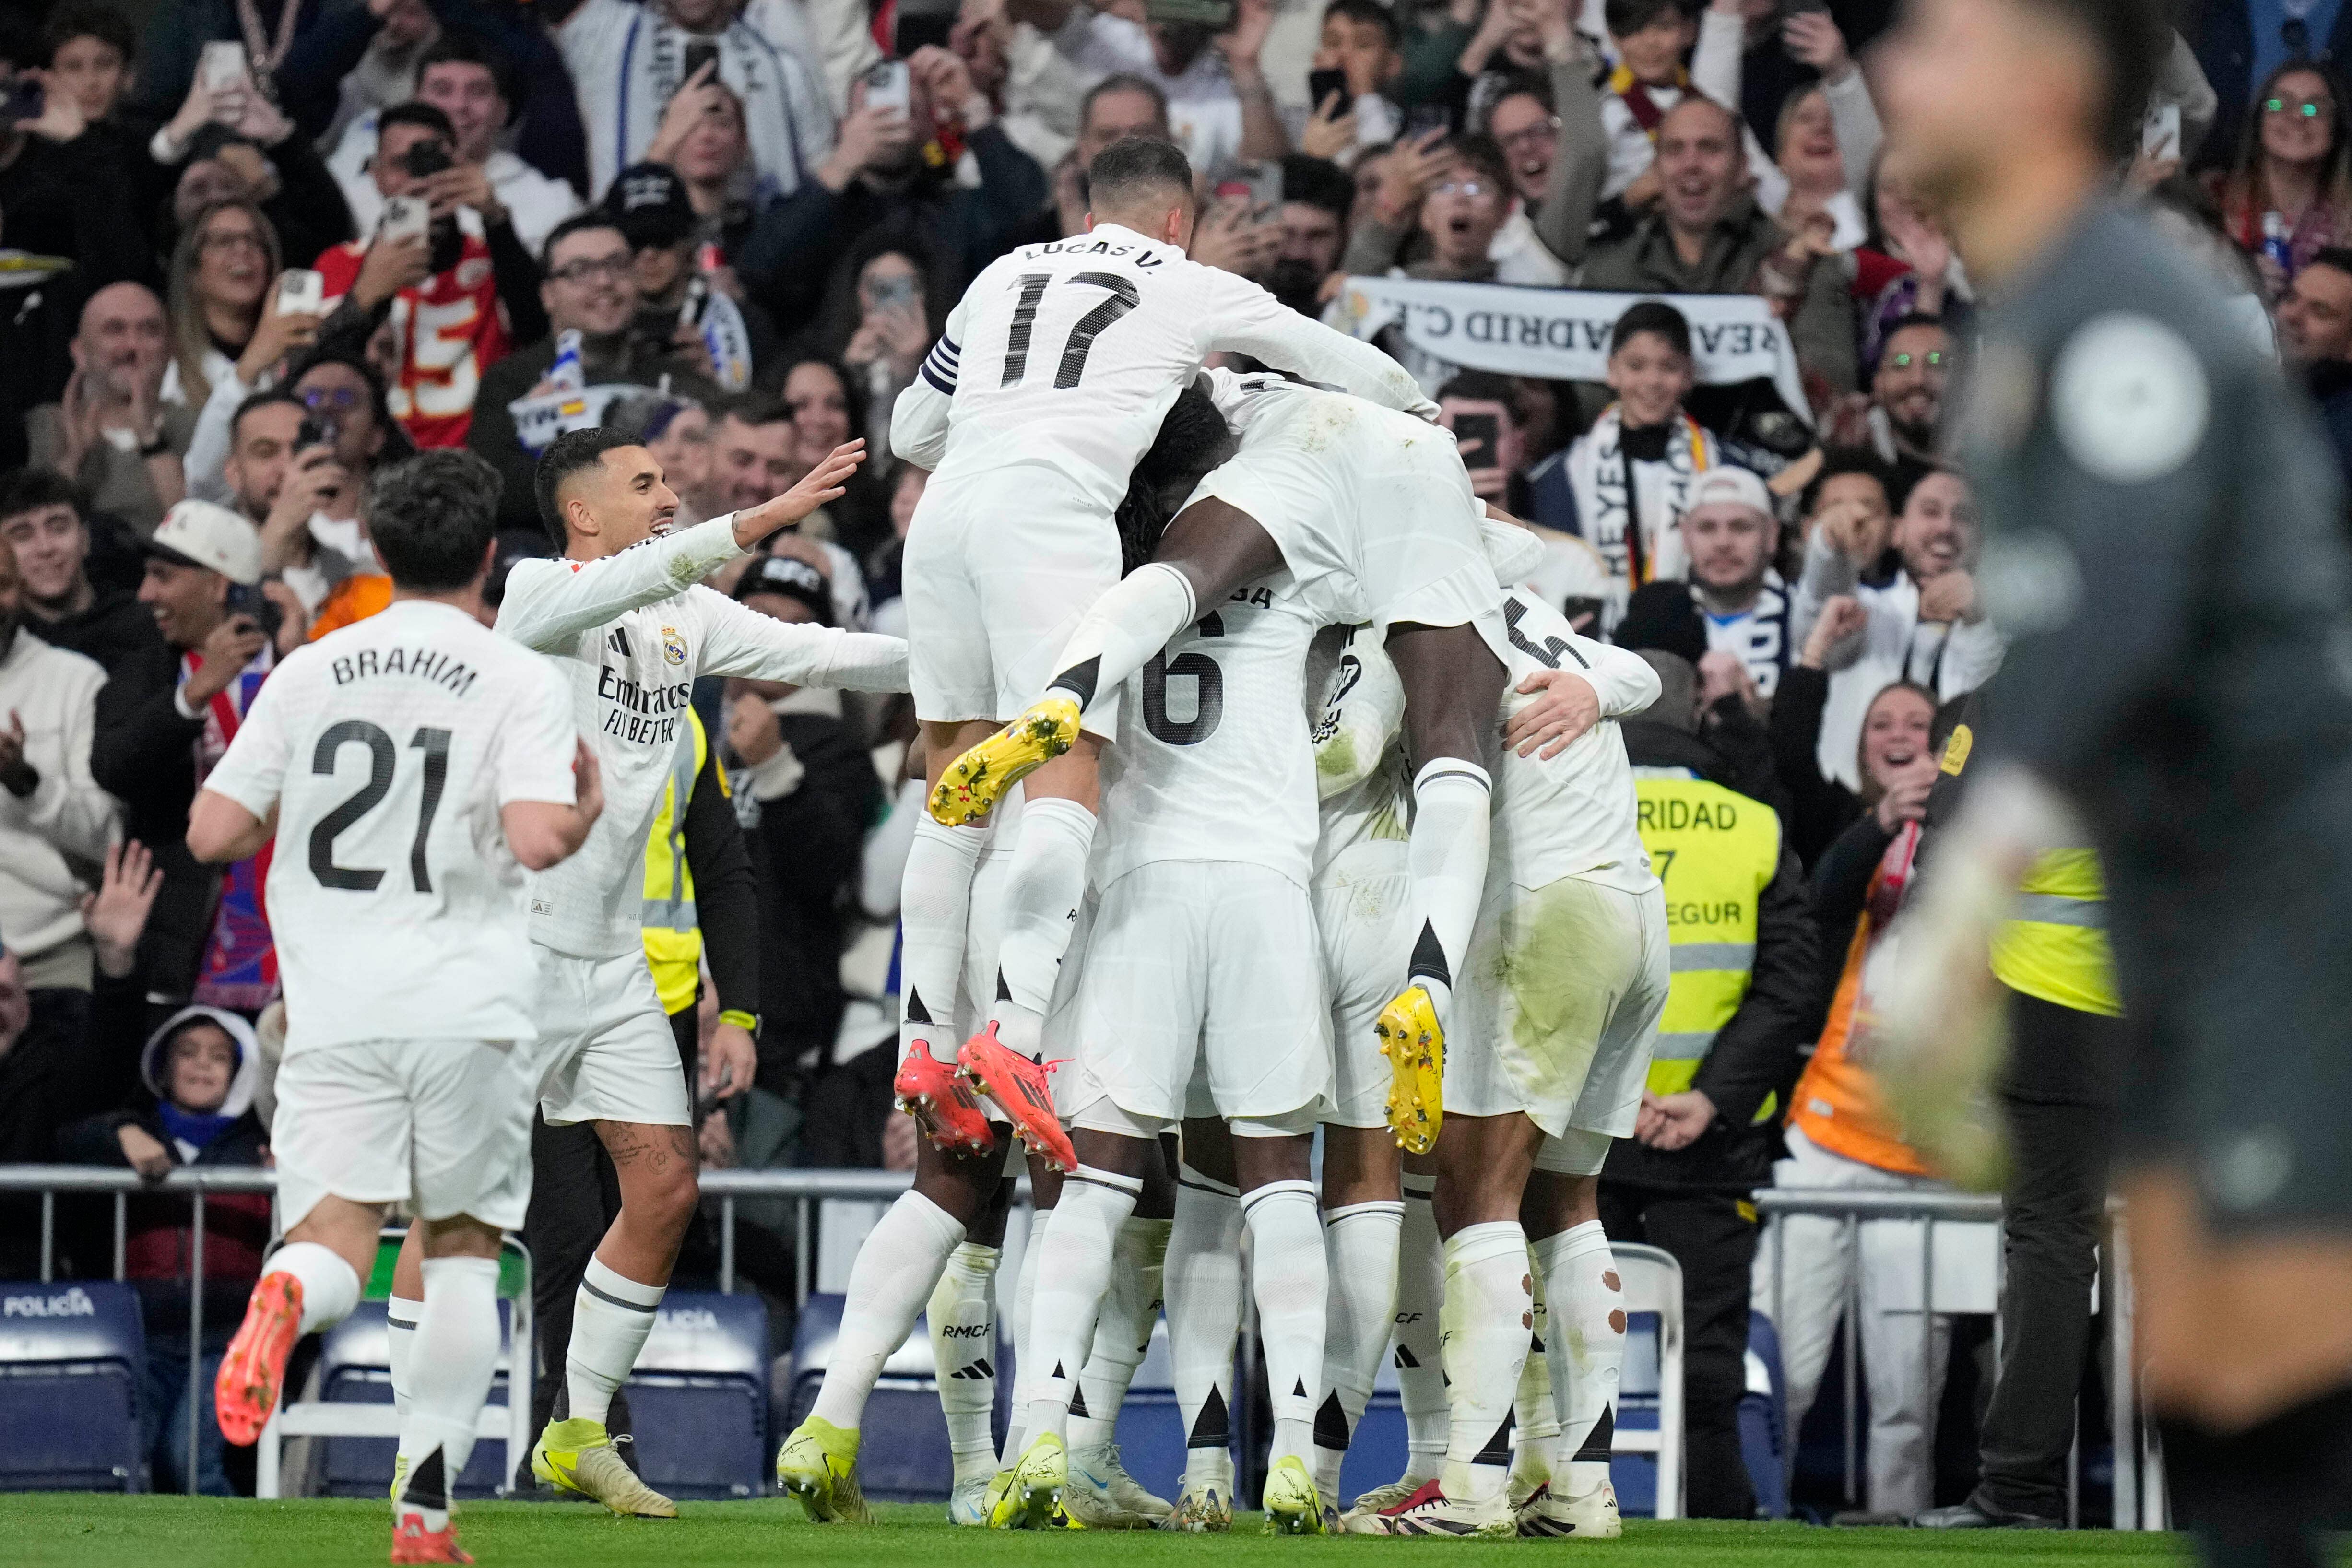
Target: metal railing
x=2139 y=1500
x=203 y=1183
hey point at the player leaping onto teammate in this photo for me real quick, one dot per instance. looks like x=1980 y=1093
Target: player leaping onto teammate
x=1048 y=384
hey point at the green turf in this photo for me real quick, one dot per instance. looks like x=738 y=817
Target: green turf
x=78 y=1530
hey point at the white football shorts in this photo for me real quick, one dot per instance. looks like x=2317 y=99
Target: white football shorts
x=1377 y=499
x=1213 y=960
x=1363 y=912
x=441 y=1124
x=999 y=567
x=1558 y=1006
x=606 y=1044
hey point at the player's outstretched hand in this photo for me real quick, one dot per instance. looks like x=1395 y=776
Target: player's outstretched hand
x=1566 y=706
x=818 y=486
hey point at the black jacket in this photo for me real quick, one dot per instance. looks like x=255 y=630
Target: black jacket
x=1820 y=808
x=143 y=754
x=114 y=628
x=1757 y=1052
x=493 y=434
x=809 y=843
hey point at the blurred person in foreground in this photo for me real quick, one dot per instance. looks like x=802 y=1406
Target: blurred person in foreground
x=2165 y=542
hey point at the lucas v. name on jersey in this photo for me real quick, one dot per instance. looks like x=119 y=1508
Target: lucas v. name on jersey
x=641 y=711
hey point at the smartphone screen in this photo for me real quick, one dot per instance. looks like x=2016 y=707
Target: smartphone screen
x=698 y=55
x=1423 y=118
x=300 y=292
x=1321 y=85
x=403 y=217
x=222 y=65
x=1477 y=435
x=886 y=87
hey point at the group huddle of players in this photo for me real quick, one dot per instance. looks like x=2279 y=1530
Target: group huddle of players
x=1309 y=817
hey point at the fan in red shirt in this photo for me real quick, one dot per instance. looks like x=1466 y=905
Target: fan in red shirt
x=439 y=296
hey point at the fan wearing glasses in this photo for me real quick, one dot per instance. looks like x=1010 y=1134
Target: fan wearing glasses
x=1907 y=398
x=587 y=285
x=2288 y=195
x=1462 y=189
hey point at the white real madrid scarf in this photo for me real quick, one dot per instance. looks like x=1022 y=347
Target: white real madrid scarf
x=1628 y=505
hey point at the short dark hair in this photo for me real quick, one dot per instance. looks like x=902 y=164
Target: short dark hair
x=573 y=452
x=1135 y=166
x=1317 y=183
x=1123 y=82
x=2129 y=39
x=1192 y=435
x=578 y=222
x=1652 y=316
x=1487 y=387
x=1839 y=461
x=458 y=46
x=432 y=518
x=757 y=408
x=1483 y=153
x=1370 y=11
x=283 y=392
x=32 y=489
x=418 y=112
x=2336 y=256
x=1519 y=83
x=1625 y=16
x=104 y=23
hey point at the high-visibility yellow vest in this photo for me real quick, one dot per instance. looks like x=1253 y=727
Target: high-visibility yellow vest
x=2055 y=947
x=673 y=933
x=1716 y=851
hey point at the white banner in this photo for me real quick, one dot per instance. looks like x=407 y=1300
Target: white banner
x=540 y=419
x=1561 y=334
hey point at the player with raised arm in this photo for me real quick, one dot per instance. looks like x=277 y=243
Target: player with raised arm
x=1049 y=384
x=622 y=612
x=415 y=767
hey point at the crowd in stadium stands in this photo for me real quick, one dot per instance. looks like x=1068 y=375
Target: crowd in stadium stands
x=737 y=227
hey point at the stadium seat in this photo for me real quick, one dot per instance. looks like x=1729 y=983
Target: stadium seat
x=354 y=1384
x=1646 y=1467
x=1764 y=1419
x=354 y=1370
x=903 y=1455
x=698 y=1398
x=71 y=1361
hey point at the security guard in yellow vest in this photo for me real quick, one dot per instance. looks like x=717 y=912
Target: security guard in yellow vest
x=2058 y=1100
x=701 y=899
x=1745 y=998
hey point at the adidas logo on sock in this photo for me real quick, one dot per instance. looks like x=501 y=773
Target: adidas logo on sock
x=973 y=1371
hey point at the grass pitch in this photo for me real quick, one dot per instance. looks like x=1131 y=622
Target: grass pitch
x=82 y=1530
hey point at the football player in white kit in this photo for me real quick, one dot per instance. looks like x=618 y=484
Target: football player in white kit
x=1550 y=1046
x=413 y=767
x=624 y=614
x=1373 y=514
x=1050 y=382
x=1200 y=964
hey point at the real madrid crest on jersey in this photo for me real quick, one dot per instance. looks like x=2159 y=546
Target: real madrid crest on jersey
x=673 y=645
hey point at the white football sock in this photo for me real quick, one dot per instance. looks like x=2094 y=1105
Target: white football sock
x=1535 y=1416
x=934 y=906
x=1133 y=621
x=1446 y=858
x=1360 y=1241
x=1420 y=1294
x=329 y=1288
x=1072 y=1281
x=400 y=1315
x=962 y=1317
x=1123 y=1333
x=1588 y=1348
x=611 y=1316
x=1291 y=1280
x=1024 y=1299
x=1043 y=889
x=889 y=1283
x=1204 y=1316
x=1488 y=1304
x=454 y=1356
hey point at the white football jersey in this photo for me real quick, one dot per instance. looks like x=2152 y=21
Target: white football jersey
x=388 y=748
x=1576 y=814
x=1212 y=761
x=1067 y=354
x=1359 y=756
x=631 y=636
